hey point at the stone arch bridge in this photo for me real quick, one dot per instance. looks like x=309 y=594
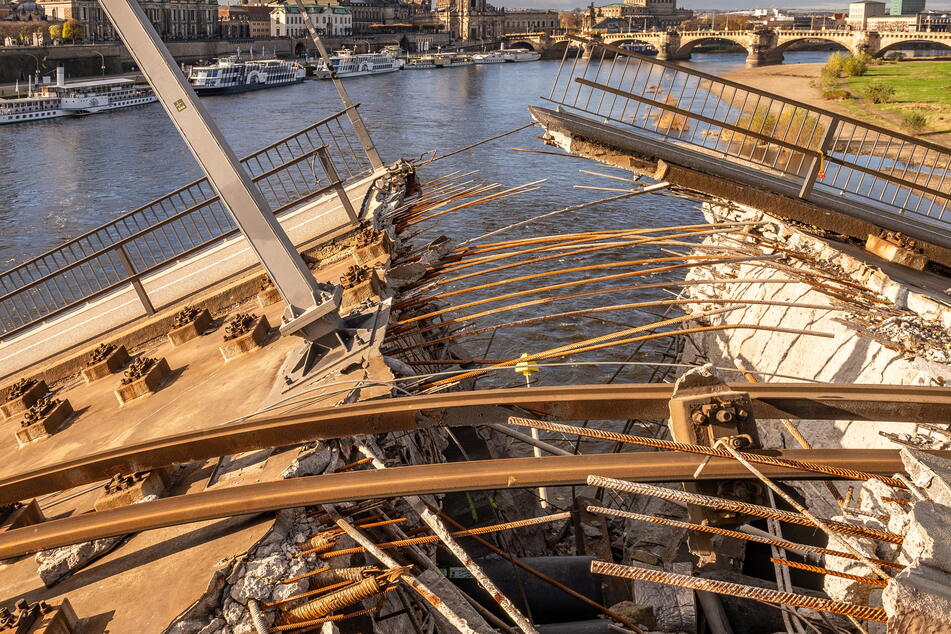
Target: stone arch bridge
x=763 y=46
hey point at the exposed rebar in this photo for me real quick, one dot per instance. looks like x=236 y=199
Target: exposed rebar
x=767 y=595
x=742 y=508
x=726 y=532
x=818 y=521
x=825 y=571
x=669 y=445
x=431 y=539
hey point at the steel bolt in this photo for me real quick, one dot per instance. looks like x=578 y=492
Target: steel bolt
x=724 y=415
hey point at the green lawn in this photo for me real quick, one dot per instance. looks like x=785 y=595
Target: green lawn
x=919 y=86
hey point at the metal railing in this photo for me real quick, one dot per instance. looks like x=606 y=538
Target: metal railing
x=816 y=151
x=318 y=159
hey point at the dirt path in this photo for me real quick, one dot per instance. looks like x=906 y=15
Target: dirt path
x=800 y=81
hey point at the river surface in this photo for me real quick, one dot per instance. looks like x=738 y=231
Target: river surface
x=63 y=177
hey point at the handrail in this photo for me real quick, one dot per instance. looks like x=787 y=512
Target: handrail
x=175 y=225
x=801 y=150
x=757 y=91
x=764 y=137
x=118 y=244
x=150 y=269
x=700 y=117
x=137 y=210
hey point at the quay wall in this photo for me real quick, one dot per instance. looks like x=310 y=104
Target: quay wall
x=316 y=221
x=16 y=62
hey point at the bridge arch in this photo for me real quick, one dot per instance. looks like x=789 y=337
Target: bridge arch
x=784 y=44
x=521 y=44
x=892 y=46
x=686 y=47
x=634 y=40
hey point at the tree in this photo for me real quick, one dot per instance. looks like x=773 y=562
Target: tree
x=570 y=19
x=73 y=30
x=56 y=32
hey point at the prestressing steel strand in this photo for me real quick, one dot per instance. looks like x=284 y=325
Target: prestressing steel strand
x=431 y=539
x=767 y=595
x=540 y=575
x=670 y=445
x=606 y=309
x=617 y=342
x=577 y=295
x=584 y=245
x=592 y=267
x=743 y=508
x=726 y=532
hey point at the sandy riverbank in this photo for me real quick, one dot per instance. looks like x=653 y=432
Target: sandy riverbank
x=801 y=81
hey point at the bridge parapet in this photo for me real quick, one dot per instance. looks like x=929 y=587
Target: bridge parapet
x=663 y=112
x=765 y=46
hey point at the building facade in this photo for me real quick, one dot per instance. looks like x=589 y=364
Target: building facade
x=530 y=21
x=860 y=12
x=174 y=20
x=925 y=22
x=635 y=15
x=244 y=21
x=287 y=20
x=906 y=7
x=472 y=20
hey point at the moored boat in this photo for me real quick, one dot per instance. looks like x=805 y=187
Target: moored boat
x=62 y=99
x=232 y=75
x=347 y=64
x=520 y=55
x=492 y=57
x=450 y=60
x=420 y=62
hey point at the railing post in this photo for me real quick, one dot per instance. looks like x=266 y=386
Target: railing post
x=356 y=121
x=136 y=282
x=331 y=170
x=827 y=140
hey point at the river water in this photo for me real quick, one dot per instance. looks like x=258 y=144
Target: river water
x=63 y=177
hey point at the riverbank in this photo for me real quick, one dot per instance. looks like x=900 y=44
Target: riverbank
x=918 y=86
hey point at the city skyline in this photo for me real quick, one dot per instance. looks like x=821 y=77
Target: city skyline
x=699 y=5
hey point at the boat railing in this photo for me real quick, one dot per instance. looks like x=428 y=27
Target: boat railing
x=288 y=172
x=811 y=153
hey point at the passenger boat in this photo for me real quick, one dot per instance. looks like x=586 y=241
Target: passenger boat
x=50 y=101
x=420 y=62
x=450 y=60
x=231 y=75
x=520 y=55
x=640 y=49
x=492 y=57
x=346 y=64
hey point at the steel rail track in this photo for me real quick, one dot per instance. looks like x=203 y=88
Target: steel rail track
x=506 y=473
x=577 y=402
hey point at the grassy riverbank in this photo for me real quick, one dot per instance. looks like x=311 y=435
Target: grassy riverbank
x=919 y=87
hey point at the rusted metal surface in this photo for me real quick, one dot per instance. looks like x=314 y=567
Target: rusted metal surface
x=476 y=475
x=669 y=445
x=739 y=590
x=917 y=404
x=743 y=508
x=430 y=539
x=825 y=571
x=726 y=532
